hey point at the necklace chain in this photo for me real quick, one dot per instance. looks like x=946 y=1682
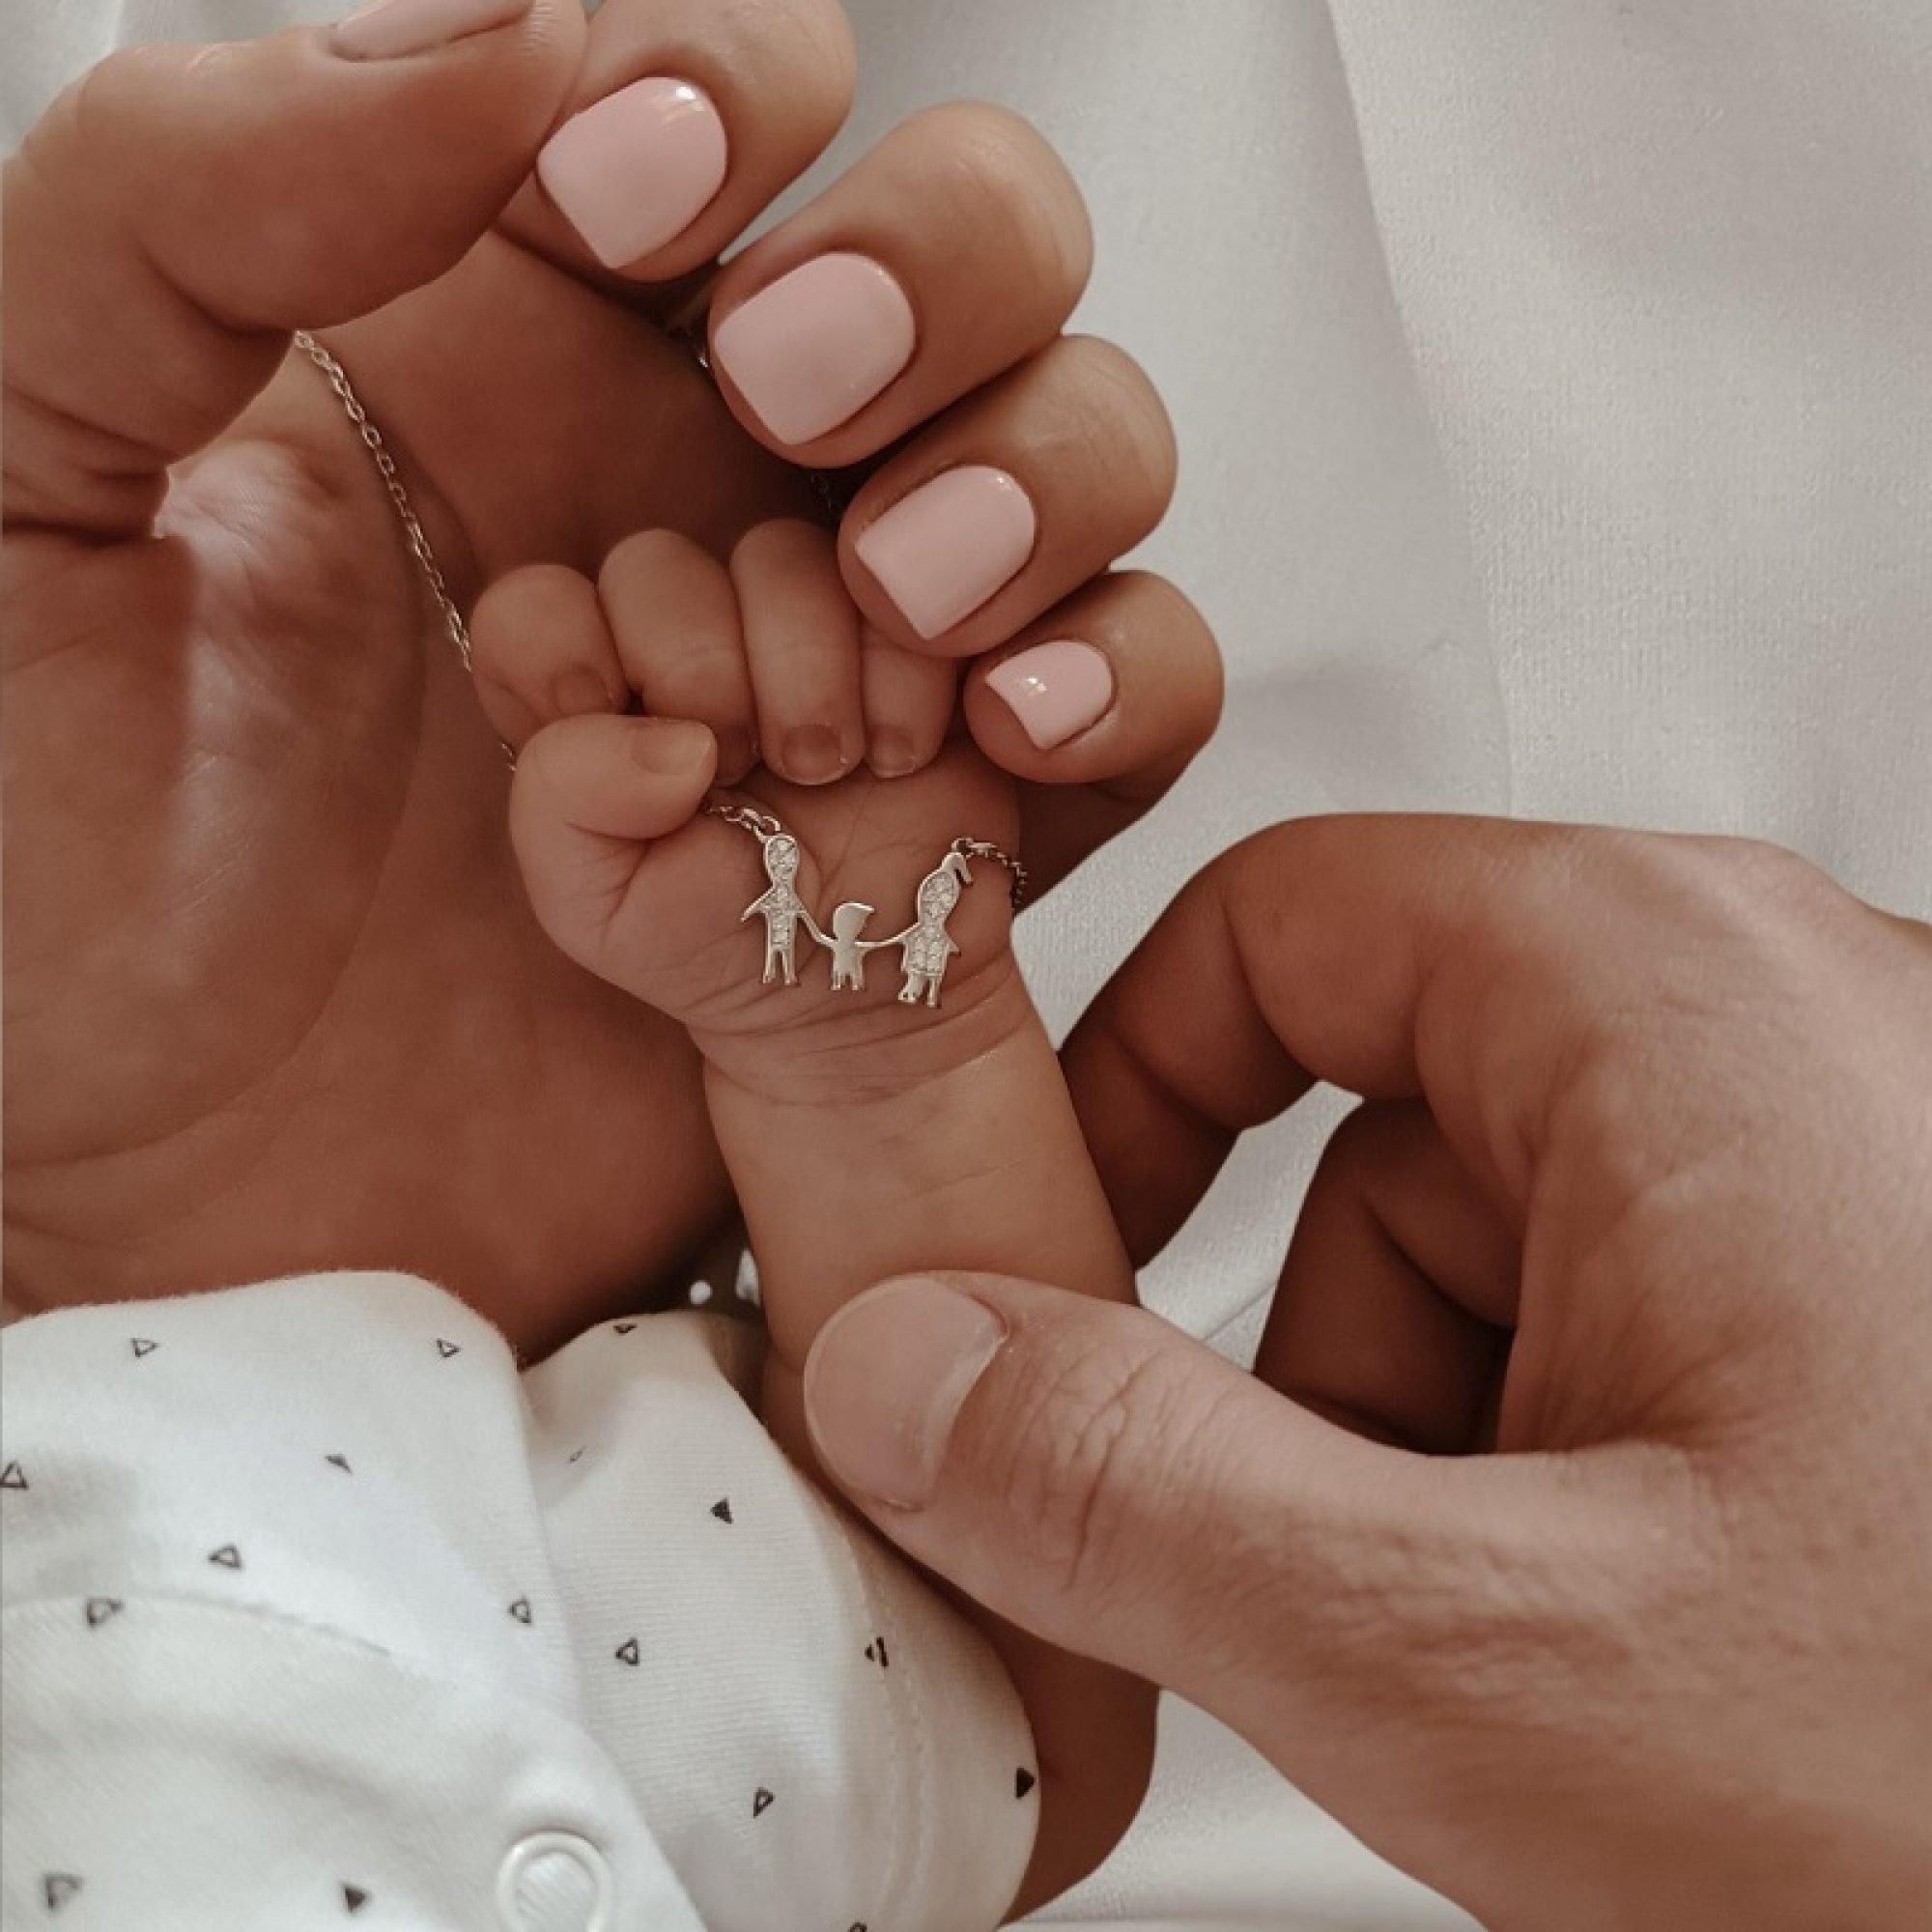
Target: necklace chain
x=761 y=825
x=984 y=848
x=392 y=482
x=766 y=824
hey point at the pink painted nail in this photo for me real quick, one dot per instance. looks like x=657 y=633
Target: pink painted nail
x=634 y=170
x=941 y=552
x=811 y=350
x=389 y=29
x=1056 y=689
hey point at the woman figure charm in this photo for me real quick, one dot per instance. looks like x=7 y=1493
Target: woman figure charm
x=927 y=947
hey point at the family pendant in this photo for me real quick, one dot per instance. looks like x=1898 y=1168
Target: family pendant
x=926 y=947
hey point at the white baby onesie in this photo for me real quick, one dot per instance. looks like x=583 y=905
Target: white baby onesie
x=318 y=1614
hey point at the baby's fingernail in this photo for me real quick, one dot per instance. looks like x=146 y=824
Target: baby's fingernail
x=813 y=755
x=389 y=29
x=812 y=349
x=891 y=753
x=887 y=1379
x=579 y=692
x=1055 y=690
x=634 y=170
x=670 y=747
x=942 y=551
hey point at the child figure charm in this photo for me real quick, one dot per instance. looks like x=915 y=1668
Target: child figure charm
x=848 y=950
x=927 y=948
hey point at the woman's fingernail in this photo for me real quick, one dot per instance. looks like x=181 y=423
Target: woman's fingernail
x=886 y=1381
x=670 y=747
x=809 y=352
x=388 y=29
x=813 y=755
x=634 y=171
x=942 y=551
x=1055 y=690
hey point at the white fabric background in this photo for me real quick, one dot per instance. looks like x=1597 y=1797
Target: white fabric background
x=239 y=1676
x=1555 y=408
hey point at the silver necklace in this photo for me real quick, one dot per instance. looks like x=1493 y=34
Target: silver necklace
x=926 y=947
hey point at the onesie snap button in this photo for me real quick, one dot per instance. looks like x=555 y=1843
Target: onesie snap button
x=555 y=1882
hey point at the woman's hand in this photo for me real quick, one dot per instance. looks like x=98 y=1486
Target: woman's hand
x=274 y=1000
x=1571 y=1542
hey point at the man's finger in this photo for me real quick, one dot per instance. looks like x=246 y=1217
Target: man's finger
x=1399 y=1290
x=1473 y=962
x=1089 y=1473
x=1034 y=1448
x=180 y=208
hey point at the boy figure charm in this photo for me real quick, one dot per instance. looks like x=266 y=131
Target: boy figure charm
x=848 y=950
x=782 y=909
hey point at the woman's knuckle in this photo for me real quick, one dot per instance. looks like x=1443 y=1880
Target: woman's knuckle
x=805 y=46
x=111 y=93
x=1007 y=177
x=1775 y=877
x=1131 y=425
x=1095 y=421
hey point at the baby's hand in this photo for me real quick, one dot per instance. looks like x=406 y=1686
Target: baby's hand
x=867 y=1134
x=778 y=923
x=886 y=1110
x=754 y=923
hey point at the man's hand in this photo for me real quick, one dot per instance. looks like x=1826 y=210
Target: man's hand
x=1570 y=1541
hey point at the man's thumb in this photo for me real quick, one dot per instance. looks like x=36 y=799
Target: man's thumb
x=1089 y=1473
x=1081 y=1468
x=180 y=208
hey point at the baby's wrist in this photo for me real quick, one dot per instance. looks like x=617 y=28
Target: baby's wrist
x=966 y=1154
x=869 y=1049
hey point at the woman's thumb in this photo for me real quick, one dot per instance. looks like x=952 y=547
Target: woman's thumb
x=180 y=208
x=1088 y=1472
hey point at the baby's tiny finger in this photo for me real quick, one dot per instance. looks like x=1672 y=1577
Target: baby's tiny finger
x=909 y=699
x=541 y=650
x=674 y=616
x=802 y=647
x=588 y=797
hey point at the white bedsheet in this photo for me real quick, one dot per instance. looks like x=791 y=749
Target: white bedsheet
x=1556 y=404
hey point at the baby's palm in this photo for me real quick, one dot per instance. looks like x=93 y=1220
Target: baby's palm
x=667 y=920
x=273 y=997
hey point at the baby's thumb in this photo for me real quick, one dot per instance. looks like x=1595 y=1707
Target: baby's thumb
x=590 y=797
x=180 y=208
x=1088 y=1472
